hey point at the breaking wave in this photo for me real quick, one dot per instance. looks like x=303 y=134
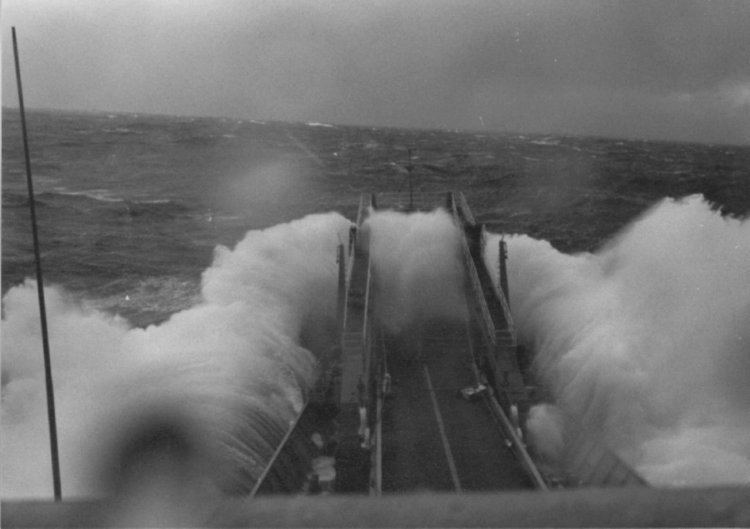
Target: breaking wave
x=646 y=341
x=230 y=369
x=229 y=373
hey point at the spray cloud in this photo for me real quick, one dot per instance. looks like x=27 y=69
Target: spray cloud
x=418 y=271
x=647 y=340
x=229 y=370
x=227 y=374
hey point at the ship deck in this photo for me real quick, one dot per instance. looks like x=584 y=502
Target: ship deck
x=433 y=439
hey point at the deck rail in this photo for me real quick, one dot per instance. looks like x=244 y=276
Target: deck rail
x=261 y=483
x=587 y=460
x=462 y=215
x=478 y=294
x=498 y=291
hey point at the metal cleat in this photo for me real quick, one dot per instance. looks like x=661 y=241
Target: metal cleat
x=473 y=393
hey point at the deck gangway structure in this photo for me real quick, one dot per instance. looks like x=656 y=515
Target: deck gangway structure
x=438 y=407
x=388 y=436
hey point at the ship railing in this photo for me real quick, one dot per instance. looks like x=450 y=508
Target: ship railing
x=263 y=482
x=376 y=453
x=517 y=444
x=352 y=333
x=498 y=291
x=462 y=209
x=478 y=294
x=462 y=215
x=366 y=335
x=366 y=202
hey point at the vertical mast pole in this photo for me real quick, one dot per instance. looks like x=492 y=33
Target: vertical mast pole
x=39 y=286
x=504 y=270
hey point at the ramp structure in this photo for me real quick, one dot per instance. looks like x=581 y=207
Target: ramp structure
x=441 y=406
x=438 y=408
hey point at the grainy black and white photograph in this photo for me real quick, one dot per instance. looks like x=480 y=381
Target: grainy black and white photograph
x=348 y=263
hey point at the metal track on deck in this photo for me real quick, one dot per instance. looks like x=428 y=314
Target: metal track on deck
x=424 y=436
x=433 y=438
x=296 y=448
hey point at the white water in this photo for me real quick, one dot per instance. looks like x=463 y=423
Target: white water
x=647 y=340
x=203 y=371
x=235 y=350
x=419 y=272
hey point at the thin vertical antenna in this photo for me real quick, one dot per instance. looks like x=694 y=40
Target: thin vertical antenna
x=39 y=287
x=504 y=270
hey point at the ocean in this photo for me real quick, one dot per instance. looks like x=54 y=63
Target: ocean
x=178 y=245
x=134 y=205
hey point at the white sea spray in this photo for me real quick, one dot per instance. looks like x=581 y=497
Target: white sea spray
x=647 y=340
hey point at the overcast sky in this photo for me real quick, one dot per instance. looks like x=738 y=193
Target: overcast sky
x=657 y=69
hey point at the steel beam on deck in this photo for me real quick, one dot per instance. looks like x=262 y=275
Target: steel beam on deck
x=490 y=309
x=352 y=459
x=287 y=469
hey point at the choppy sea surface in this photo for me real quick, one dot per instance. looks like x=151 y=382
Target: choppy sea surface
x=132 y=206
x=189 y=262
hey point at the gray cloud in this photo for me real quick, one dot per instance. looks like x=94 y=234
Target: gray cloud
x=666 y=69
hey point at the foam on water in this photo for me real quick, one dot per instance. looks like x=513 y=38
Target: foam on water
x=229 y=372
x=226 y=366
x=102 y=195
x=646 y=340
x=416 y=259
